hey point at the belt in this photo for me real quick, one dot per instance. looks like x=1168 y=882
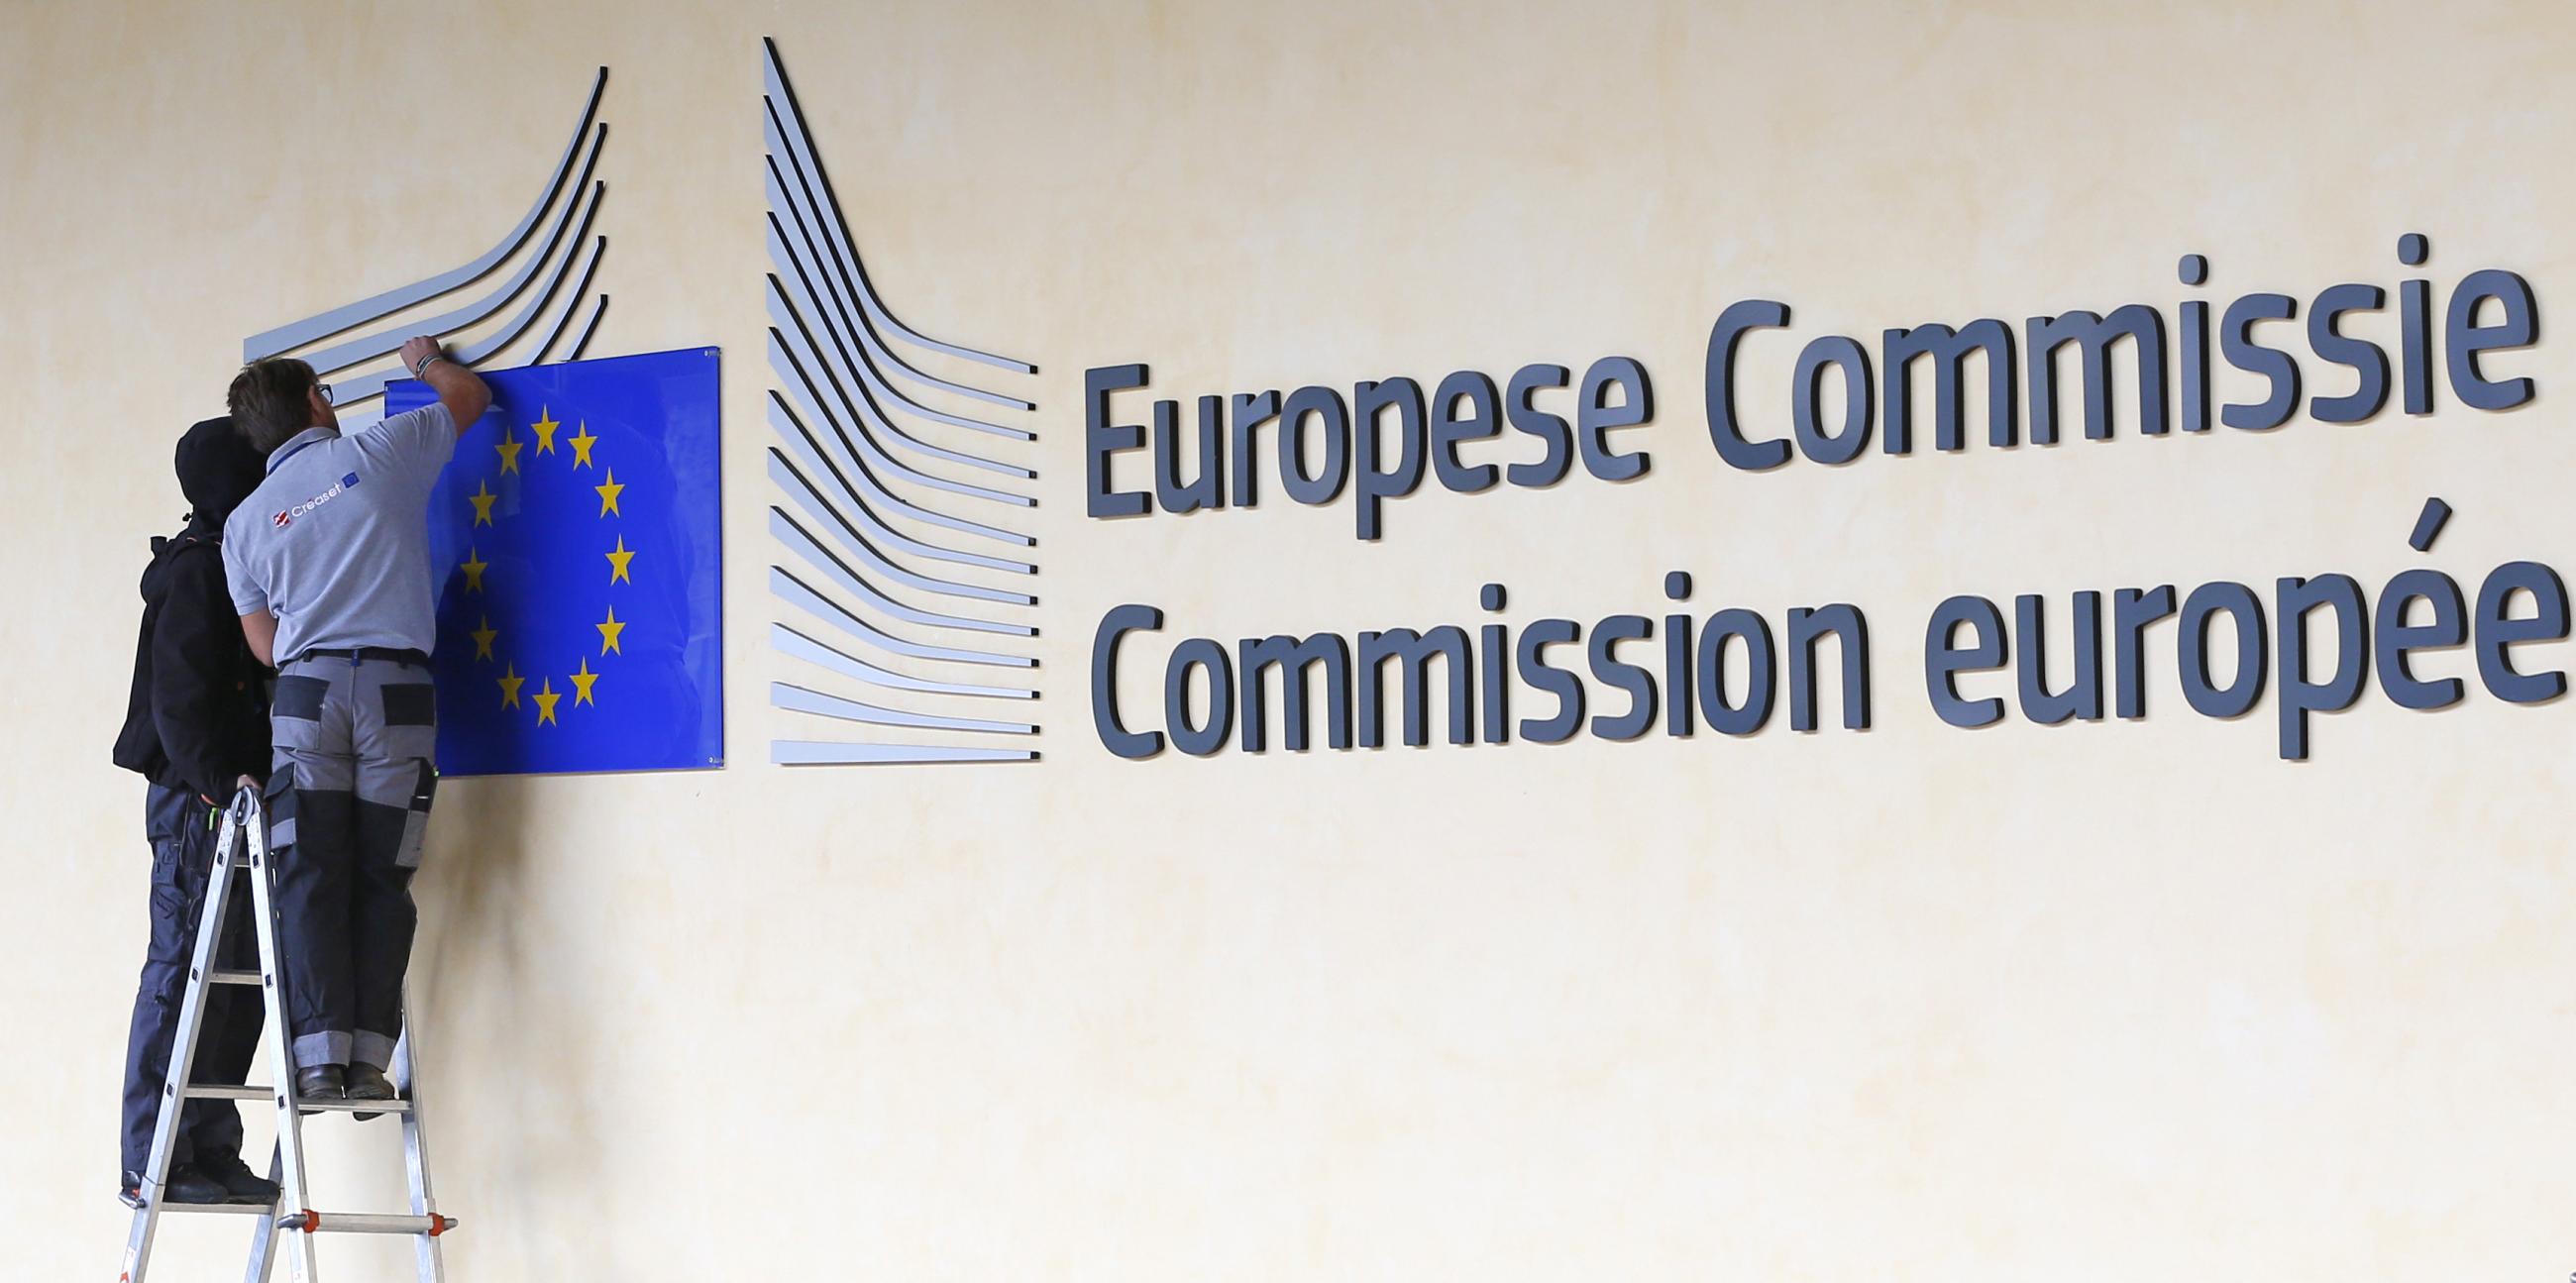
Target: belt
x=412 y=657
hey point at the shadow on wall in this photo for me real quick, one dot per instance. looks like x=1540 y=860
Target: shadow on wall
x=509 y=1037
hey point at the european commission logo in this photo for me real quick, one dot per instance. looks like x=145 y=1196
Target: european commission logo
x=579 y=526
x=519 y=690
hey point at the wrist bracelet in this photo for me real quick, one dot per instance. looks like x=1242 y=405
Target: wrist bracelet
x=428 y=361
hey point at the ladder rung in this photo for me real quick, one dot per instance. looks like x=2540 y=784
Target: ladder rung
x=214 y=1091
x=219 y=1209
x=233 y=977
x=358 y=1106
x=209 y=1091
x=364 y=1223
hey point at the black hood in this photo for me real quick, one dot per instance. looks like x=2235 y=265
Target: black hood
x=217 y=470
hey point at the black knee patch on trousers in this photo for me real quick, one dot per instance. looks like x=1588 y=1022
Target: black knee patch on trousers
x=278 y=799
x=393 y=834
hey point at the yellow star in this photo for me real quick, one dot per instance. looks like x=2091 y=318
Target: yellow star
x=608 y=633
x=617 y=562
x=473 y=566
x=482 y=500
x=510 y=681
x=581 y=440
x=483 y=638
x=509 y=446
x=545 y=427
x=546 y=696
x=608 y=494
x=581 y=683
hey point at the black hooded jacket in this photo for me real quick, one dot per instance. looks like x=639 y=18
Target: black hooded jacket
x=198 y=718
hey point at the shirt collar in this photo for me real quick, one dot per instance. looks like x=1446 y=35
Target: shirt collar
x=298 y=442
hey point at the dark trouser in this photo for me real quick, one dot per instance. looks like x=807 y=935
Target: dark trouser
x=183 y=858
x=348 y=804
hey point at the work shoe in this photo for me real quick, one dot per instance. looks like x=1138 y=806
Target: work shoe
x=241 y=1184
x=320 y=1082
x=366 y=1082
x=188 y=1185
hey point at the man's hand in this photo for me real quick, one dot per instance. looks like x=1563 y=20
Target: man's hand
x=416 y=350
x=459 y=389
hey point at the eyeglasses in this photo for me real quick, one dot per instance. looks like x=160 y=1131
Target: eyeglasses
x=325 y=390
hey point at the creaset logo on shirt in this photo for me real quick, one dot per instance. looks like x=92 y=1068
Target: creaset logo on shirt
x=286 y=516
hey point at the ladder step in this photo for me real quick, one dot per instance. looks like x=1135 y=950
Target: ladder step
x=218 y=1209
x=233 y=977
x=214 y=1091
x=210 y=1091
x=364 y=1223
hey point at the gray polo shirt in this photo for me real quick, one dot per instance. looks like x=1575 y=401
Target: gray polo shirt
x=335 y=542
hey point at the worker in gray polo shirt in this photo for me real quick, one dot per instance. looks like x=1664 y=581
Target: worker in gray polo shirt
x=328 y=561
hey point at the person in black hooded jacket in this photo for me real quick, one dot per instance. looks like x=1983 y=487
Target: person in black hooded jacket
x=196 y=726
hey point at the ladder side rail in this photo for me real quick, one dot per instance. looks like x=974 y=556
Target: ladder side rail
x=155 y=1175
x=293 y=1194
x=263 y=1234
x=416 y=1144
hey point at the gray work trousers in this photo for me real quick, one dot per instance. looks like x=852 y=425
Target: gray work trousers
x=348 y=804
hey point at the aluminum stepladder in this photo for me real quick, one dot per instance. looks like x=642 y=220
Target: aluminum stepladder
x=241 y=847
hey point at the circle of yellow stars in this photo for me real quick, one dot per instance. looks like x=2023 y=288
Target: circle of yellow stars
x=621 y=559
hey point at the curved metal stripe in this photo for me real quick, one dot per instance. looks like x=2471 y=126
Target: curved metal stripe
x=803 y=175
x=792 y=373
x=579 y=288
x=472 y=354
x=784 y=420
x=788 y=641
x=798 y=148
x=810 y=453
x=868 y=526
x=795 y=591
x=800 y=700
x=803 y=161
x=582 y=344
x=476 y=353
x=298 y=333
x=836 y=321
x=854 y=319
x=382 y=342
x=828 y=753
x=807 y=218
x=785 y=473
x=792 y=276
x=777 y=91
x=783 y=311
x=803 y=541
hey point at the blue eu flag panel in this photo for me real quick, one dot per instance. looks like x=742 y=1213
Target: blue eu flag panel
x=580 y=598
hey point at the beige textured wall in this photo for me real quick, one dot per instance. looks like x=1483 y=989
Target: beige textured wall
x=2126 y=1000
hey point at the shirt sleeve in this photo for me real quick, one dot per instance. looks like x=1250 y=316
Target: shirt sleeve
x=249 y=597
x=424 y=438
